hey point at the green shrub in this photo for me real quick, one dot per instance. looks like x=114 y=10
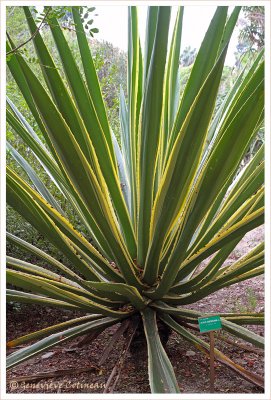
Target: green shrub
x=170 y=198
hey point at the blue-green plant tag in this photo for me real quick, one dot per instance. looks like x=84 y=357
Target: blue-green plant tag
x=207 y=324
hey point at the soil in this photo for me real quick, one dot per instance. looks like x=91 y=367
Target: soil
x=190 y=365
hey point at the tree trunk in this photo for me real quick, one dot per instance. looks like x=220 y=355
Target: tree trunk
x=139 y=341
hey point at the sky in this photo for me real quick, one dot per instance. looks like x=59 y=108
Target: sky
x=112 y=24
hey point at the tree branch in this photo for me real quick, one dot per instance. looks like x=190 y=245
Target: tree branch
x=31 y=37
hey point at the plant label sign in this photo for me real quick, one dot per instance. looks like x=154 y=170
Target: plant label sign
x=207 y=324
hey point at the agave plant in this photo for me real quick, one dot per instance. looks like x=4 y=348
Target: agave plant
x=164 y=210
